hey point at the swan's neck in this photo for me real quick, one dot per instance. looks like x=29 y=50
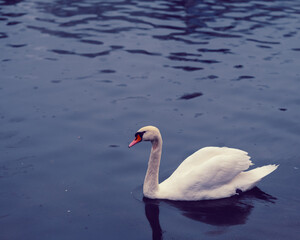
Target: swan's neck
x=150 y=187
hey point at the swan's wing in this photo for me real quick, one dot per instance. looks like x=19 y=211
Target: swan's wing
x=205 y=155
x=216 y=167
x=217 y=171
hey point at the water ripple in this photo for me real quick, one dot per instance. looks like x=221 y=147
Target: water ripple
x=188 y=23
x=62 y=34
x=189 y=96
x=143 y=52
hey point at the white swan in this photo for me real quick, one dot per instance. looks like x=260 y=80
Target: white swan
x=209 y=173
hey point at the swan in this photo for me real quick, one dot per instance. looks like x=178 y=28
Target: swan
x=209 y=173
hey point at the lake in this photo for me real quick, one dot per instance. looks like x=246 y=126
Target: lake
x=79 y=78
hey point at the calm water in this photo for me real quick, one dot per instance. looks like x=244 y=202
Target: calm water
x=78 y=78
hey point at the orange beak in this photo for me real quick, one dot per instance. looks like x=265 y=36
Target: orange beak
x=135 y=141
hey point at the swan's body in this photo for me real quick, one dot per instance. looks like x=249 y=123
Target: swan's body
x=209 y=173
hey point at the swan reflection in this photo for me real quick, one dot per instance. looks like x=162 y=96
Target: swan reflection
x=223 y=212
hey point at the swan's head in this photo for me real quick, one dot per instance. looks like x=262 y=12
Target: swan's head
x=148 y=133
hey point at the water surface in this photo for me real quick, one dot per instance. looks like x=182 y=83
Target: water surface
x=78 y=78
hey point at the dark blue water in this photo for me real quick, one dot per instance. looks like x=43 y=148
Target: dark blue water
x=78 y=78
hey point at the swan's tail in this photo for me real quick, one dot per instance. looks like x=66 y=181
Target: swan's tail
x=247 y=180
x=261 y=172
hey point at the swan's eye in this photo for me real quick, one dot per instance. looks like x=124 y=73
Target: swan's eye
x=139 y=135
